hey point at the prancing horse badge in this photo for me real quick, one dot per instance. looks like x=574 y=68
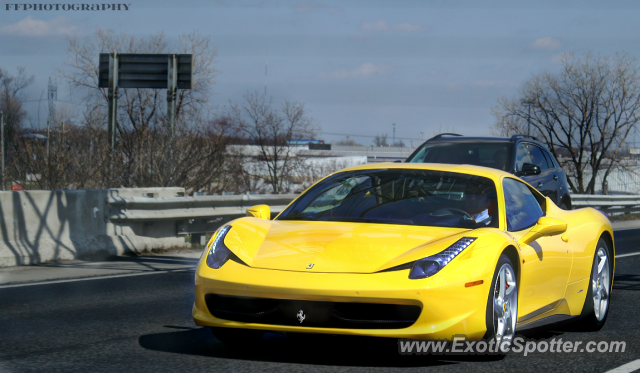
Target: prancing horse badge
x=310 y=266
x=301 y=316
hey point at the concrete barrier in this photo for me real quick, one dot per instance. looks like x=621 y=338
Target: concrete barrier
x=40 y=226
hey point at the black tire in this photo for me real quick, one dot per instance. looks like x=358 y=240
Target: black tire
x=563 y=206
x=491 y=333
x=237 y=337
x=588 y=320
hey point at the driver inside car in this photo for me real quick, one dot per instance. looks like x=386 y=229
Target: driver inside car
x=478 y=208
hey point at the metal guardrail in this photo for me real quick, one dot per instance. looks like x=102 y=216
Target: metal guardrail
x=197 y=214
x=607 y=203
x=202 y=214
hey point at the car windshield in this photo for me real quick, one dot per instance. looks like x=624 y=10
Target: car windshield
x=494 y=155
x=400 y=196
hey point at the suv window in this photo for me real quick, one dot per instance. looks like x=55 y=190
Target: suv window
x=521 y=206
x=495 y=155
x=522 y=156
x=537 y=157
x=551 y=159
x=528 y=153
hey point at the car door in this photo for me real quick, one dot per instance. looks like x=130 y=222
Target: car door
x=548 y=182
x=558 y=176
x=546 y=262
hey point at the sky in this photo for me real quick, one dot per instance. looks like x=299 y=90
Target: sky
x=358 y=66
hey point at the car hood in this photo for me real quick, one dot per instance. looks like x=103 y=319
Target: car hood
x=332 y=246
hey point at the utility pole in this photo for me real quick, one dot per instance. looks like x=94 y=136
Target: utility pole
x=113 y=100
x=394 y=134
x=528 y=103
x=172 y=93
x=529 y=120
x=48 y=131
x=2 y=144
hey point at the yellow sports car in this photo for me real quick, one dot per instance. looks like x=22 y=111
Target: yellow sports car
x=407 y=251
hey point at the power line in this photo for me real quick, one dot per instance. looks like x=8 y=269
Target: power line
x=369 y=136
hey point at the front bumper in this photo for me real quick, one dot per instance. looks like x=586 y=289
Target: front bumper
x=448 y=307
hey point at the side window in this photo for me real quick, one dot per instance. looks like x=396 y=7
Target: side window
x=522 y=207
x=422 y=154
x=551 y=160
x=536 y=156
x=522 y=156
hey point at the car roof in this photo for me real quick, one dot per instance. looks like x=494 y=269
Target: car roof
x=466 y=139
x=470 y=139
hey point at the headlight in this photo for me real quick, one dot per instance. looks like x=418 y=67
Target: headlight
x=218 y=252
x=431 y=265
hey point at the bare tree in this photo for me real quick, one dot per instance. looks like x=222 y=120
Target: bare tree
x=348 y=142
x=11 y=99
x=584 y=112
x=145 y=154
x=380 y=140
x=316 y=168
x=272 y=130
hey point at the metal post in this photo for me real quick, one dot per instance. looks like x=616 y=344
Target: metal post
x=394 y=135
x=113 y=99
x=172 y=93
x=2 y=144
x=529 y=120
x=48 y=131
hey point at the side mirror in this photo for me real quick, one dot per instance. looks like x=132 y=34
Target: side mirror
x=529 y=169
x=260 y=212
x=544 y=227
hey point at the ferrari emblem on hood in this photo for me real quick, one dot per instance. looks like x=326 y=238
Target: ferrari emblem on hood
x=301 y=316
x=310 y=266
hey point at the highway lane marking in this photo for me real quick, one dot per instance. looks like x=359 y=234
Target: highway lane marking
x=624 y=255
x=94 y=278
x=628 y=367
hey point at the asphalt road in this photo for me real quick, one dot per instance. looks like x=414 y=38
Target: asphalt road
x=144 y=324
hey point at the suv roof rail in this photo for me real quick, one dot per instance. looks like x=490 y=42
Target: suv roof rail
x=444 y=134
x=516 y=136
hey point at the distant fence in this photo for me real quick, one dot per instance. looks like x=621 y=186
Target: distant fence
x=623 y=181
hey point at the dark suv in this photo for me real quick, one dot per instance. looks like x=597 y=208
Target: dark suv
x=522 y=155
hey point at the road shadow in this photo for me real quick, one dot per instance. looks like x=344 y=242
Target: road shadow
x=626 y=282
x=144 y=262
x=299 y=349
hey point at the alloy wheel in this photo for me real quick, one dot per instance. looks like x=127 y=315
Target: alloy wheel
x=600 y=283
x=505 y=307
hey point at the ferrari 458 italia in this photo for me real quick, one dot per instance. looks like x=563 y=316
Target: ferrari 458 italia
x=408 y=251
